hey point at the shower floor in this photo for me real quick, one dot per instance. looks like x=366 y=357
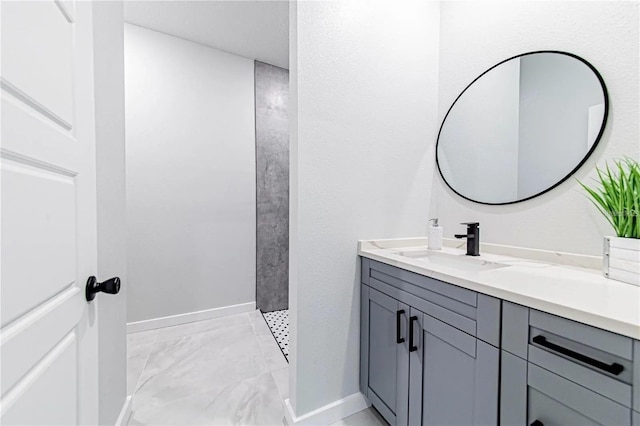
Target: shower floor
x=278 y=322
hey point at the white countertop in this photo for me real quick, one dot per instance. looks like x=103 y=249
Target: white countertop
x=548 y=281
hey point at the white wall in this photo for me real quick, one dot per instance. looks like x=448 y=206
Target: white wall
x=363 y=130
x=190 y=176
x=108 y=38
x=477 y=35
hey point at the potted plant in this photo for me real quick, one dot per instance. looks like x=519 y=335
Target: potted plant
x=617 y=197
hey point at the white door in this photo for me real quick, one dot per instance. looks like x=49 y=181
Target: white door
x=48 y=215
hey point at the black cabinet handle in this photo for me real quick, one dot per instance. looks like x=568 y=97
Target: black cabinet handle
x=537 y=423
x=398 y=327
x=111 y=286
x=614 y=368
x=412 y=347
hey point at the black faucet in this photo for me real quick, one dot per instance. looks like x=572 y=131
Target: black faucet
x=473 y=238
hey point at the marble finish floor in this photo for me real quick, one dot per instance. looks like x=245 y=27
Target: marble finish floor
x=225 y=371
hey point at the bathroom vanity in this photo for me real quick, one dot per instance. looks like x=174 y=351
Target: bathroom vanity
x=537 y=339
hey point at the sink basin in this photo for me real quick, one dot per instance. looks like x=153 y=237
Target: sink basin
x=455 y=261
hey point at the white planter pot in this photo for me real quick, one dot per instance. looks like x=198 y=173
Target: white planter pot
x=621 y=260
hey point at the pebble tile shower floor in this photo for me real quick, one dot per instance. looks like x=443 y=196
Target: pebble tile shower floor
x=278 y=322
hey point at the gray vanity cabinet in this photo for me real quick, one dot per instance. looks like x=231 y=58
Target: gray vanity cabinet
x=553 y=400
x=532 y=395
x=454 y=376
x=428 y=349
x=387 y=366
x=435 y=354
x=560 y=372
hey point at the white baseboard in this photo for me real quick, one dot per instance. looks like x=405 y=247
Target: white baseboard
x=151 y=324
x=125 y=413
x=328 y=414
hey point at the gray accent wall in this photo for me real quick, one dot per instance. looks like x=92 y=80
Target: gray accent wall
x=272 y=187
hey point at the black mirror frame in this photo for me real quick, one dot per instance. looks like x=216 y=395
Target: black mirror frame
x=584 y=159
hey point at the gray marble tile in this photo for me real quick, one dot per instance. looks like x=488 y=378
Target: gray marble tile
x=142 y=338
x=231 y=321
x=138 y=349
x=182 y=411
x=281 y=378
x=252 y=401
x=137 y=356
x=134 y=422
x=225 y=371
x=368 y=417
x=220 y=343
x=272 y=353
x=192 y=364
x=255 y=316
x=261 y=328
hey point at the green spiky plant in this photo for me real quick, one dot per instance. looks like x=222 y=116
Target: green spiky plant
x=617 y=196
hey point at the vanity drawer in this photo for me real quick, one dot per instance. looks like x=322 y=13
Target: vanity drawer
x=553 y=400
x=391 y=275
x=591 y=357
x=466 y=310
x=602 y=340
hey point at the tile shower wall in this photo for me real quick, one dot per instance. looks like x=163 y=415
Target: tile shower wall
x=272 y=185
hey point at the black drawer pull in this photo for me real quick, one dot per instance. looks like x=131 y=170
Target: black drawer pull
x=614 y=368
x=398 y=328
x=412 y=347
x=537 y=423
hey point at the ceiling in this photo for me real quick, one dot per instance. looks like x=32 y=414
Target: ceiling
x=253 y=29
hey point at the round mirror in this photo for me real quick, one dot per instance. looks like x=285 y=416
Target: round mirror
x=522 y=127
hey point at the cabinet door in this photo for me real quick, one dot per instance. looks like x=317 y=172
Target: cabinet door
x=386 y=355
x=454 y=376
